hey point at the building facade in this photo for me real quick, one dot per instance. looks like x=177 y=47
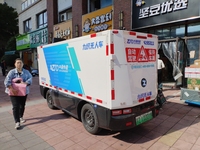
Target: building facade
x=175 y=22
x=32 y=29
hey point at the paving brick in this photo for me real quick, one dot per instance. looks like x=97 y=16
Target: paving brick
x=17 y=147
x=57 y=139
x=41 y=146
x=121 y=145
x=168 y=140
x=109 y=140
x=175 y=134
x=13 y=142
x=32 y=142
x=159 y=146
x=88 y=142
x=22 y=133
x=183 y=145
x=134 y=147
x=76 y=147
x=99 y=145
x=188 y=137
x=196 y=147
x=28 y=137
x=64 y=144
x=145 y=142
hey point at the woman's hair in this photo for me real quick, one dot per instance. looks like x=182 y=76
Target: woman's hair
x=18 y=59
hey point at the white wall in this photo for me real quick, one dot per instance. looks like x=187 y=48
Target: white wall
x=64 y=4
x=31 y=12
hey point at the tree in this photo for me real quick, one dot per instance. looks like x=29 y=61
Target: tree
x=8 y=26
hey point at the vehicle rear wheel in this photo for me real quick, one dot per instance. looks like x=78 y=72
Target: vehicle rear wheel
x=49 y=100
x=89 y=119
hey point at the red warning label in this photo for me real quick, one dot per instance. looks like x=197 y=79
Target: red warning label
x=140 y=54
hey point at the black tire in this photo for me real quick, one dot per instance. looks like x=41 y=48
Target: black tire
x=89 y=119
x=49 y=100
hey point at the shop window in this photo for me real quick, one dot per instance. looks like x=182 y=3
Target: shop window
x=98 y=4
x=42 y=19
x=65 y=15
x=151 y=31
x=27 y=25
x=177 y=31
x=193 y=29
x=166 y=33
x=193 y=47
x=159 y=33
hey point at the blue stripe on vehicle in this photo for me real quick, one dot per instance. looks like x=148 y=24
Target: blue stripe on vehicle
x=74 y=58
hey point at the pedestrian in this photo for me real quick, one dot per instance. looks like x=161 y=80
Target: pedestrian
x=18 y=102
x=3 y=67
x=160 y=66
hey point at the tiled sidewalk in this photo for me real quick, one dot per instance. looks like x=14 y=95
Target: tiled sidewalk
x=176 y=128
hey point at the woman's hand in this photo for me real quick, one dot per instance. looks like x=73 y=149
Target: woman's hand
x=24 y=83
x=15 y=92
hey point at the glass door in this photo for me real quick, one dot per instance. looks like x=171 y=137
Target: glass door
x=183 y=61
x=177 y=58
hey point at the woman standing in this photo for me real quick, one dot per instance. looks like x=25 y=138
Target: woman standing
x=18 y=102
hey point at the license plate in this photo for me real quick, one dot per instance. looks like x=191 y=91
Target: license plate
x=144 y=118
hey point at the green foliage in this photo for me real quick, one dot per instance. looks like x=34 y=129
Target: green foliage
x=10 y=59
x=11 y=44
x=8 y=25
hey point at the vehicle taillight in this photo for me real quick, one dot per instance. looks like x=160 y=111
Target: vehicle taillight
x=129 y=124
x=116 y=112
x=121 y=112
x=127 y=111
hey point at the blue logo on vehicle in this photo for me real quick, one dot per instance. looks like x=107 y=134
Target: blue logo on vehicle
x=143 y=82
x=131 y=41
x=148 y=42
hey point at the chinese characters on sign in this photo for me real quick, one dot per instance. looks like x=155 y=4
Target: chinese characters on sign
x=39 y=37
x=63 y=33
x=140 y=55
x=93 y=45
x=163 y=8
x=144 y=96
x=97 y=21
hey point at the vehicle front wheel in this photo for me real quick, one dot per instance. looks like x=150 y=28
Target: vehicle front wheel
x=49 y=100
x=89 y=119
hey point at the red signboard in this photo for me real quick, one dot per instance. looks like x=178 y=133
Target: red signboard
x=140 y=54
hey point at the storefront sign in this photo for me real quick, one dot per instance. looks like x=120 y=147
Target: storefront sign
x=163 y=8
x=39 y=37
x=97 y=21
x=63 y=33
x=63 y=30
x=23 y=42
x=147 y=13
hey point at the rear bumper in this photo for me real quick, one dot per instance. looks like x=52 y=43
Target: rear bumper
x=127 y=121
x=123 y=122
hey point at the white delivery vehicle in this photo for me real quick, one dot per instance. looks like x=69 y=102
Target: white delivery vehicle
x=107 y=80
